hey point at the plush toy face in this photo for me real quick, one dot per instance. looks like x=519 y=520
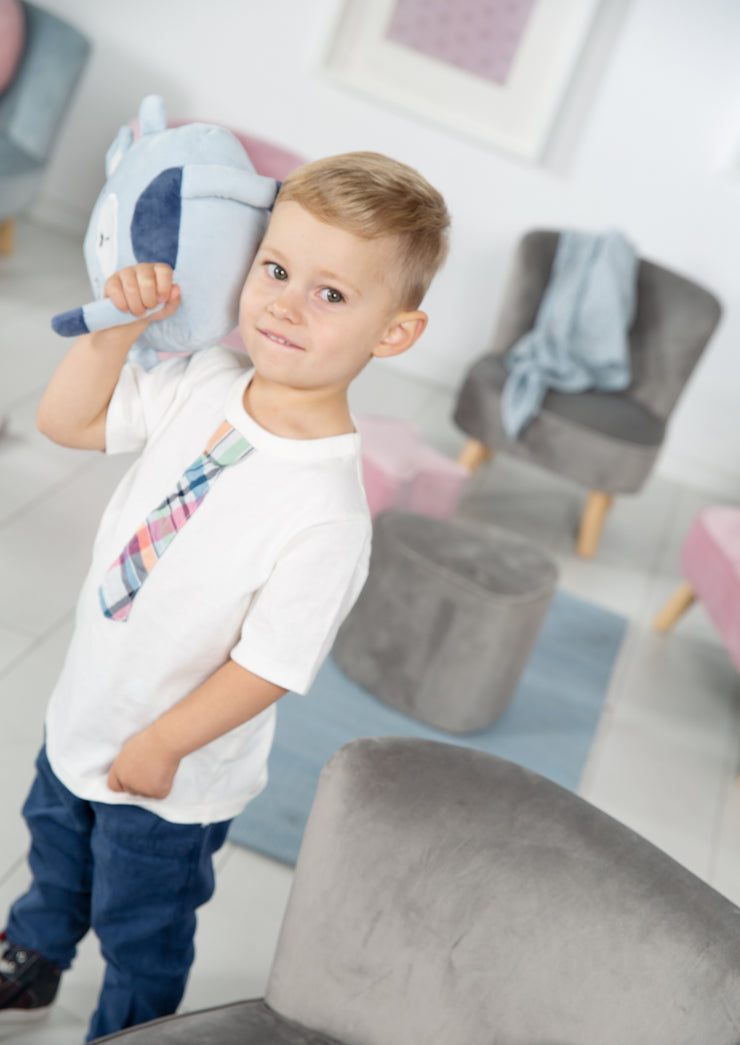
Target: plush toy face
x=188 y=196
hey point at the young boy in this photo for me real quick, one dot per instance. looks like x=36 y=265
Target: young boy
x=190 y=627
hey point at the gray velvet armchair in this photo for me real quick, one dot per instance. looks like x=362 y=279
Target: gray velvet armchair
x=444 y=896
x=32 y=110
x=605 y=441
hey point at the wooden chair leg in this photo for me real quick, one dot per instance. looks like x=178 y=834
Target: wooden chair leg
x=592 y=522
x=7 y=236
x=474 y=454
x=683 y=597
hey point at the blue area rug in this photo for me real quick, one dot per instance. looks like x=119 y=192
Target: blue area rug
x=548 y=727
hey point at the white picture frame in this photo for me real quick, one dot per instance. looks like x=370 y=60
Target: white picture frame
x=516 y=116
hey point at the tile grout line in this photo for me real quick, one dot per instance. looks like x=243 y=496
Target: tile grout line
x=49 y=491
x=605 y=725
x=23 y=399
x=652 y=578
x=724 y=795
x=5 y=876
x=36 y=642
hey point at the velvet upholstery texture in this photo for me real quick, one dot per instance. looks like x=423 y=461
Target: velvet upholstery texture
x=444 y=896
x=605 y=441
x=447 y=619
x=473 y=902
x=34 y=105
x=243 y=1023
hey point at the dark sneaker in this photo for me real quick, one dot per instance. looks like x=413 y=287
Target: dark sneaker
x=28 y=983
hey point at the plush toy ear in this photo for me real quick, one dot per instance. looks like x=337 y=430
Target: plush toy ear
x=228 y=183
x=118 y=148
x=152 y=115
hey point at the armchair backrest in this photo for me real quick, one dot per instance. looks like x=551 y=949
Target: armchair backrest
x=446 y=896
x=674 y=320
x=31 y=109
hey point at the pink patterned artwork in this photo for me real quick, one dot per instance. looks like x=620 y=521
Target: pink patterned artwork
x=479 y=36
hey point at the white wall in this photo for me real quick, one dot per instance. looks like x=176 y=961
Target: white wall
x=645 y=143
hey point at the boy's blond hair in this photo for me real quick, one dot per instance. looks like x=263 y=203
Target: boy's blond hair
x=370 y=195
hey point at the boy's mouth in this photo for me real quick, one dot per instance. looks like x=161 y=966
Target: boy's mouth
x=271 y=336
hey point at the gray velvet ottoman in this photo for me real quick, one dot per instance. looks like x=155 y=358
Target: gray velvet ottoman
x=447 y=619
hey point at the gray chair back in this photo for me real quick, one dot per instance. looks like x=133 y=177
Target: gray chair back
x=674 y=319
x=446 y=897
x=33 y=107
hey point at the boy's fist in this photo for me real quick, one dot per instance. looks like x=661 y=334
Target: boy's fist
x=144 y=766
x=140 y=288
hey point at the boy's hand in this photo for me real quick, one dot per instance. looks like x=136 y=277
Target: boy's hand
x=144 y=766
x=141 y=287
x=74 y=407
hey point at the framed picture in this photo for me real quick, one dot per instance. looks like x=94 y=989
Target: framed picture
x=495 y=70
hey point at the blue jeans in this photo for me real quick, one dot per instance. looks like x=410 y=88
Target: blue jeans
x=132 y=877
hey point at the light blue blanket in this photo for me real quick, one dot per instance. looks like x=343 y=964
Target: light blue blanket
x=579 y=339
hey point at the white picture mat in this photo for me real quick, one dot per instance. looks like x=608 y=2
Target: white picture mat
x=516 y=116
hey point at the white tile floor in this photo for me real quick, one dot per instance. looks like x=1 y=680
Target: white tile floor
x=668 y=748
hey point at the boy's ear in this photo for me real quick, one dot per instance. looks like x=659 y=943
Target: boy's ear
x=406 y=328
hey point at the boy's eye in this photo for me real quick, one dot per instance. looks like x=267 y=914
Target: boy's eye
x=332 y=296
x=276 y=271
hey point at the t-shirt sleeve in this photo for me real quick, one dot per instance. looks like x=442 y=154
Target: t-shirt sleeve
x=293 y=621
x=139 y=401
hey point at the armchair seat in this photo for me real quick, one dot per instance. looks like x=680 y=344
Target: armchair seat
x=242 y=1023
x=628 y=433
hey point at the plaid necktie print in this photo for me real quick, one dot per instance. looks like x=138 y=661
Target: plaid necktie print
x=125 y=577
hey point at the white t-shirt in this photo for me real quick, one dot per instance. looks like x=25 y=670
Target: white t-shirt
x=264 y=572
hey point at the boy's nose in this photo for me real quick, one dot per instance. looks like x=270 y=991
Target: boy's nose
x=283 y=306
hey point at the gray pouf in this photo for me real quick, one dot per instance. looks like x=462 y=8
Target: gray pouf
x=447 y=619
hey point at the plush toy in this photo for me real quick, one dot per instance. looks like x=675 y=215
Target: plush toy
x=188 y=196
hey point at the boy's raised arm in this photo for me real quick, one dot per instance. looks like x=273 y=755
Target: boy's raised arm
x=73 y=409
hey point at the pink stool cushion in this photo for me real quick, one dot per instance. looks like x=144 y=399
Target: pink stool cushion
x=401 y=472
x=710 y=561
x=12 y=40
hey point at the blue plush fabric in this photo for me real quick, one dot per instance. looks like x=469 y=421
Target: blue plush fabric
x=579 y=339
x=155 y=226
x=188 y=196
x=70 y=324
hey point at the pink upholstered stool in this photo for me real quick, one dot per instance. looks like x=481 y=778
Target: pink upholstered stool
x=710 y=562
x=401 y=472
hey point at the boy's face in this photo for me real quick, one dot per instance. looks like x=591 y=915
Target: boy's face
x=318 y=302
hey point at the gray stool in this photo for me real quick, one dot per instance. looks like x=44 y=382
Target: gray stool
x=447 y=619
